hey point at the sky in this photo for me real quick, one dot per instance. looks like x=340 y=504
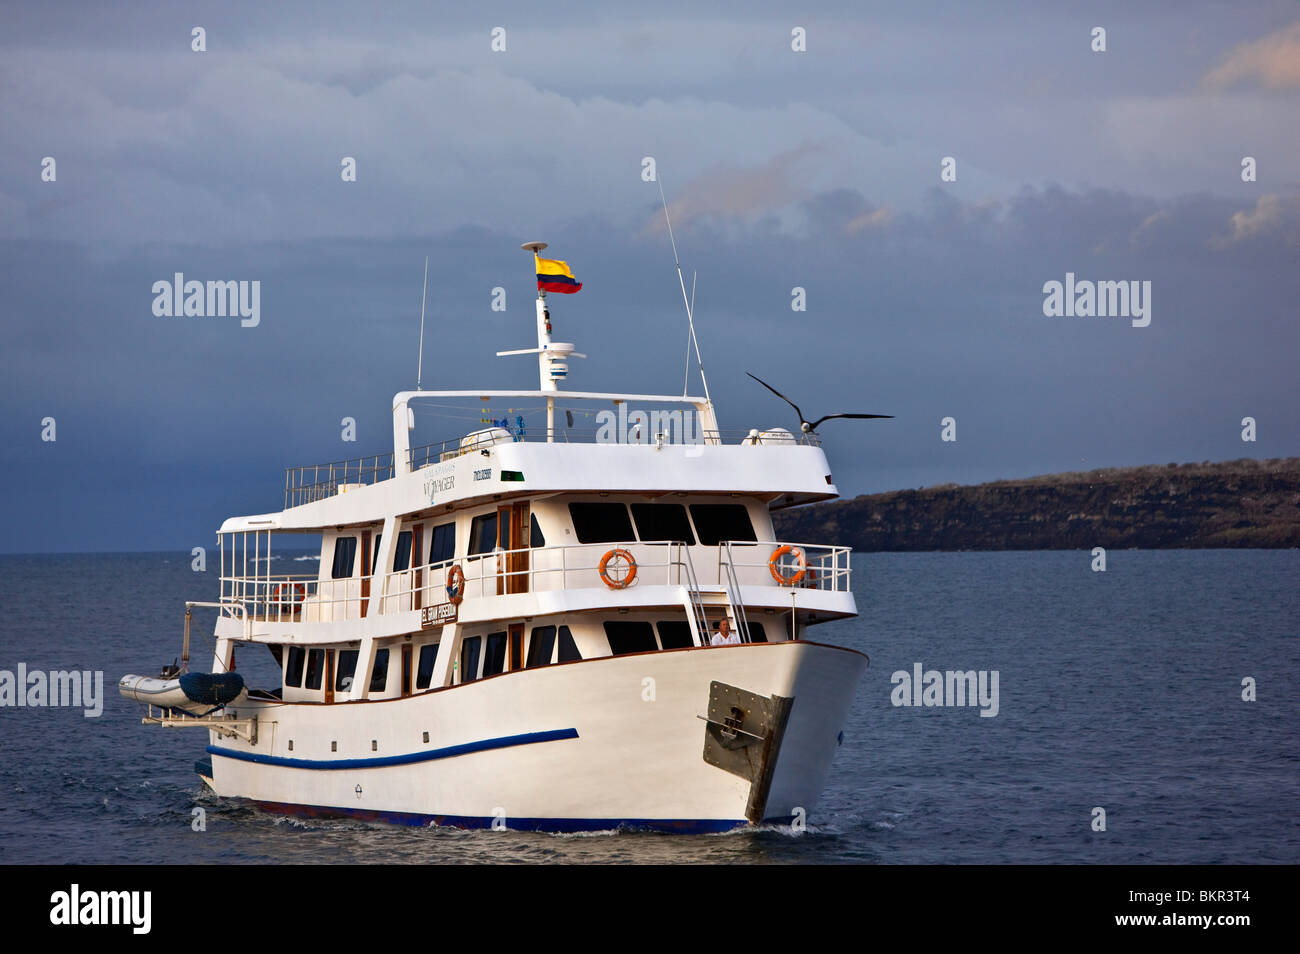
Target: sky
x=818 y=168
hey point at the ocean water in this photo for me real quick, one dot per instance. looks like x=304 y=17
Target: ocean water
x=1120 y=690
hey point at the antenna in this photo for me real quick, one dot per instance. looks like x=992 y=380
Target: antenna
x=419 y=371
x=690 y=317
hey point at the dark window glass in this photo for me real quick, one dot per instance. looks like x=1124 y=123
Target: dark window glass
x=675 y=634
x=345 y=555
x=424 y=675
x=293 y=671
x=718 y=522
x=483 y=533
x=494 y=658
x=379 y=678
x=568 y=648
x=347 y=669
x=601 y=522
x=402 y=555
x=535 y=538
x=315 y=668
x=757 y=634
x=662 y=521
x=630 y=636
x=541 y=647
x=469 y=652
x=374 y=556
x=442 y=543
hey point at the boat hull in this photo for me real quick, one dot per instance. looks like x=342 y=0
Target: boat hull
x=591 y=745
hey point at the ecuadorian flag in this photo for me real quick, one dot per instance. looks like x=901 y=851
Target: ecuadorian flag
x=554 y=276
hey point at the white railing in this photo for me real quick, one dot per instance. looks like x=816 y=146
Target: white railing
x=727 y=567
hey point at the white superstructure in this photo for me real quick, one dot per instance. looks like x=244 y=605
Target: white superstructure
x=512 y=626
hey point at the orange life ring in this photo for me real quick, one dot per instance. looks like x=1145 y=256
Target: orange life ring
x=455 y=584
x=295 y=592
x=609 y=581
x=801 y=561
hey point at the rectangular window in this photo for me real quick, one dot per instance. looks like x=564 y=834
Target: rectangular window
x=675 y=634
x=494 y=658
x=424 y=674
x=293 y=671
x=469 y=653
x=535 y=538
x=718 y=522
x=542 y=647
x=345 y=555
x=662 y=521
x=601 y=522
x=347 y=670
x=630 y=636
x=379 y=678
x=568 y=648
x=315 y=668
x=442 y=543
x=757 y=634
x=483 y=533
x=402 y=555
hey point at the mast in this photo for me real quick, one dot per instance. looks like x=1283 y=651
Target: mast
x=552 y=356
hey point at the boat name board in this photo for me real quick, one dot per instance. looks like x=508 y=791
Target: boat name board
x=437 y=615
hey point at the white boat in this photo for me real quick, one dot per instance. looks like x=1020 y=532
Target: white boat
x=513 y=627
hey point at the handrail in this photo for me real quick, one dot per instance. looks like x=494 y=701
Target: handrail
x=297 y=598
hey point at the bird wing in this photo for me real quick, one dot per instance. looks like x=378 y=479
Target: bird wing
x=781 y=396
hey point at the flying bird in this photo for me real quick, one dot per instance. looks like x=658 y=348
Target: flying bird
x=809 y=427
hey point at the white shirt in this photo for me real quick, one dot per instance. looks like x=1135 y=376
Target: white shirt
x=731 y=639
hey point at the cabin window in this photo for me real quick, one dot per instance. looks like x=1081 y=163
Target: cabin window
x=344 y=678
x=541 y=648
x=494 y=659
x=535 y=538
x=675 y=634
x=757 y=634
x=424 y=674
x=379 y=677
x=662 y=521
x=374 y=555
x=630 y=636
x=402 y=556
x=601 y=522
x=718 y=522
x=568 y=648
x=469 y=653
x=483 y=533
x=315 y=668
x=293 y=670
x=345 y=555
x=442 y=543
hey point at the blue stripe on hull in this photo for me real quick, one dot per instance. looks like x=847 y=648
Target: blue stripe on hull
x=447 y=752
x=686 y=826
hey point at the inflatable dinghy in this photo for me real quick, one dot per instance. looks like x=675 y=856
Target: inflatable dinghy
x=194 y=692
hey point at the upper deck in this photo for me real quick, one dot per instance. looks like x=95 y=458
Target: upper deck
x=623 y=443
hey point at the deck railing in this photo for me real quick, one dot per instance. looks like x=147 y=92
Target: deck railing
x=301 y=598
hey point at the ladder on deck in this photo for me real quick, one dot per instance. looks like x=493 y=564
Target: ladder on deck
x=734 y=602
x=694 y=598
